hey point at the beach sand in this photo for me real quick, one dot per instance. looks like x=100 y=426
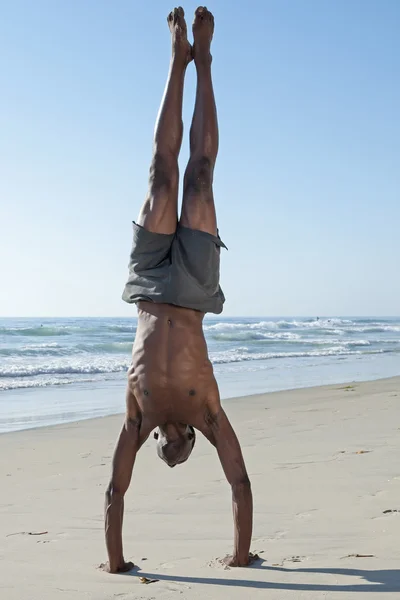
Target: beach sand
x=324 y=465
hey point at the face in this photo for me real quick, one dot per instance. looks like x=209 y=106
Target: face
x=175 y=443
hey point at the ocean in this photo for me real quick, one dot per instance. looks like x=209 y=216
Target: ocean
x=60 y=370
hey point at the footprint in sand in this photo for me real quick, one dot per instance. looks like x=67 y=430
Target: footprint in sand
x=307 y=514
x=292 y=559
x=130 y=597
x=377 y=493
x=196 y=495
x=277 y=535
x=167 y=565
x=288 y=467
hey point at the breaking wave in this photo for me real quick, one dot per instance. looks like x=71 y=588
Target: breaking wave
x=35 y=353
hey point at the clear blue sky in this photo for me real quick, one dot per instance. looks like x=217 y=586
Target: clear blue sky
x=307 y=181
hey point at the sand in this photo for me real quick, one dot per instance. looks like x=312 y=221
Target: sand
x=324 y=465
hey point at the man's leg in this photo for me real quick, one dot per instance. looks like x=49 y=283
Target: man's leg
x=198 y=210
x=159 y=211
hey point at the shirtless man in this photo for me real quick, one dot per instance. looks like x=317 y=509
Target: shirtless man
x=174 y=279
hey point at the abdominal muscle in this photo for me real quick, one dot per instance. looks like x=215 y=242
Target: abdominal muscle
x=170 y=374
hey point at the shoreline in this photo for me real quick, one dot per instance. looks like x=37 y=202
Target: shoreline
x=234 y=399
x=31 y=408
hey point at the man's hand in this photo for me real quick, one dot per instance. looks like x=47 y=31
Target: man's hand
x=124 y=567
x=234 y=561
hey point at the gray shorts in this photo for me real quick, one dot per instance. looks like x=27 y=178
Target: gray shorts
x=181 y=268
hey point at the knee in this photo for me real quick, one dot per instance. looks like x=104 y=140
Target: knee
x=163 y=172
x=199 y=174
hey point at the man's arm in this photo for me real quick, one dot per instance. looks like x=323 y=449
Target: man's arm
x=122 y=466
x=230 y=455
x=134 y=433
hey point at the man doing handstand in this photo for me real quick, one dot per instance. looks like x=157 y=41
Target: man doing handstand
x=174 y=280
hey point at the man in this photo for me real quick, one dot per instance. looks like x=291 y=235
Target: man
x=174 y=279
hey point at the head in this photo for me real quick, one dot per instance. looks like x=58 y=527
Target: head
x=175 y=443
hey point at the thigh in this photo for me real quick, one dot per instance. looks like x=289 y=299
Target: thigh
x=198 y=208
x=199 y=213
x=159 y=213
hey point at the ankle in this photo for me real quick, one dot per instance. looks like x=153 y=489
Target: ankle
x=178 y=61
x=203 y=60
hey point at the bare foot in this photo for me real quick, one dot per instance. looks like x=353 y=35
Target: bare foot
x=203 y=29
x=233 y=561
x=123 y=568
x=181 y=49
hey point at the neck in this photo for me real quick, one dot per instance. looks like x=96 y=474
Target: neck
x=173 y=430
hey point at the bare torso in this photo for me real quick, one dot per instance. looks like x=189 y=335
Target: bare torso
x=171 y=375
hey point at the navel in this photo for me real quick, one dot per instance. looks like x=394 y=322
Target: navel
x=192 y=392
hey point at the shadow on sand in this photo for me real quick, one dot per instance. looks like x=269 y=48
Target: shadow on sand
x=374 y=581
